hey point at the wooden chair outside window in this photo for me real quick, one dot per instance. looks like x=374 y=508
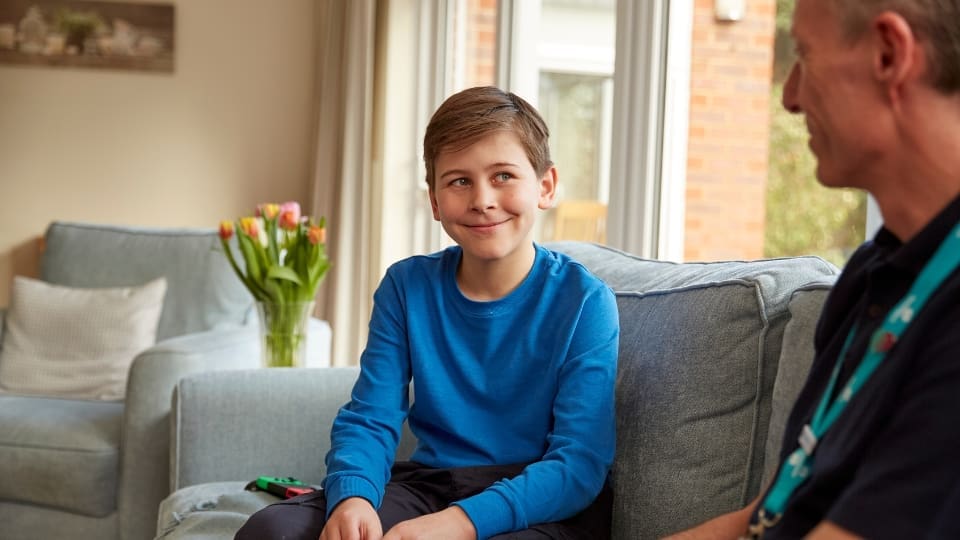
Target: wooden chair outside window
x=583 y=220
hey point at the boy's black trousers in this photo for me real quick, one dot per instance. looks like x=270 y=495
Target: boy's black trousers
x=415 y=490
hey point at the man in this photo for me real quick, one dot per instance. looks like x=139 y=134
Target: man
x=872 y=445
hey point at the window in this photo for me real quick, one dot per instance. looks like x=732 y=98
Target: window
x=666 y=125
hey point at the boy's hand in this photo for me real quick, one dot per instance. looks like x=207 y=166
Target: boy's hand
x=353 y=519
x=449 y=524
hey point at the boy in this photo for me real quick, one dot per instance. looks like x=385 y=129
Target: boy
x=512 y=351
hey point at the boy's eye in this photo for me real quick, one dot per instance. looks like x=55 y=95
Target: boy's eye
x=459 y=182
x=503 y=177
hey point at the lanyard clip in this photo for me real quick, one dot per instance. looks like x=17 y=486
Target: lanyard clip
x=755 y=530
x=808 y=440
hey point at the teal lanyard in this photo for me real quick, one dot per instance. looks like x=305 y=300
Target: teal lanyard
x=796 y=470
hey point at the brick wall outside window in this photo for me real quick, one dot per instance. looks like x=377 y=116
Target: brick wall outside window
x=731 y=68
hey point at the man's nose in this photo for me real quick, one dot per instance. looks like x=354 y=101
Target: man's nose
x=789 y=101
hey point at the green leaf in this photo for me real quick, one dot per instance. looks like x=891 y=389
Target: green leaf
x=254 y=267
x=316 y=275
x=251 y=286
x=285 y=273
x=274 y=291
x=270 y=226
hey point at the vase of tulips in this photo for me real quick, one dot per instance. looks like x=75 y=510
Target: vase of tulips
x=285 y=259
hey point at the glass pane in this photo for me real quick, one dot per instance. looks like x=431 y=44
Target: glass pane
x=575 y=58
x=574 y=107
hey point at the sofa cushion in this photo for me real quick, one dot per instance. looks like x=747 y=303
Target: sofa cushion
x=60 y=453
x=796 y=357
x=688 y=406
x=776 y=278
x=76 y=343
x=693 y=396
x=202 y=291
x=211 y=511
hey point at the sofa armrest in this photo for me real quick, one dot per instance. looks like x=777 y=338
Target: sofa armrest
x=145 y=437
x=239 y=425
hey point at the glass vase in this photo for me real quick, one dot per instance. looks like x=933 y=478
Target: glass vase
x=283 y=333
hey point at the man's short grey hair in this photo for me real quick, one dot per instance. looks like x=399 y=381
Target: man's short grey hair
x=935 y=22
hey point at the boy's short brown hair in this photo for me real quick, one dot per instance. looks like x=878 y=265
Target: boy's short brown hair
x=473 y=113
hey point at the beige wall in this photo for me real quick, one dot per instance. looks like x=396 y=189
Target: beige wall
x=232 y=126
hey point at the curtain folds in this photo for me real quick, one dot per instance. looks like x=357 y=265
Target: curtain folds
x=342 y=183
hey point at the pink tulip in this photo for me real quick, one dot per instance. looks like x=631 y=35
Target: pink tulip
x=316 y=235
x=226 y=230
x=290 y=215
x=268 y=210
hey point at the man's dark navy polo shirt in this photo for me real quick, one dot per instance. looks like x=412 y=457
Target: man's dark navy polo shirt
x=886 y=466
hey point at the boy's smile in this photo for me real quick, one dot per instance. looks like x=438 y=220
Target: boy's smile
x=486 y=196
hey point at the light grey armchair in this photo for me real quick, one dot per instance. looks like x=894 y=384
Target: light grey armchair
x=99 y=469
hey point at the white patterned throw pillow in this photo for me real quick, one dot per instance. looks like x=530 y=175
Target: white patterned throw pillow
x=76 y=343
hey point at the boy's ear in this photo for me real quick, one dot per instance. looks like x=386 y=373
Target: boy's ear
x=548 y=189
x=433 y=204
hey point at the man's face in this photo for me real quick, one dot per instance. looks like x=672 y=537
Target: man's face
x=832 y=85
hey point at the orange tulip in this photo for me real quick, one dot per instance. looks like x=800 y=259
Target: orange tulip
x=226 y=230
x=268 y=210
x=250 y=227
x=316 y=235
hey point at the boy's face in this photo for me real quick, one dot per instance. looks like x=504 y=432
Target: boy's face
x=486 y=197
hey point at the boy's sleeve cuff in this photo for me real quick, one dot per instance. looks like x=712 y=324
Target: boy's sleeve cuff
x=345 y=487
x=491 y=514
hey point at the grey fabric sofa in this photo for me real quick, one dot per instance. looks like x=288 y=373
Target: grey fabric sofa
x=711 y=358
x=84 y=469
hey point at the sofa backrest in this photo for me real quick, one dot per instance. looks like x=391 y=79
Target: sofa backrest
x=202 y=291
x=700 y=348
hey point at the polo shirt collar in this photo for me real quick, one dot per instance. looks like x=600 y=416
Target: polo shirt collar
x=913 y=255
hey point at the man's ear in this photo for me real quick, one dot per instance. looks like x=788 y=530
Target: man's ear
x=548 y=189
x=898 y=58
x=433 y=204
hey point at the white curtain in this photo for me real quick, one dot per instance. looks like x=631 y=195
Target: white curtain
x=342 y=184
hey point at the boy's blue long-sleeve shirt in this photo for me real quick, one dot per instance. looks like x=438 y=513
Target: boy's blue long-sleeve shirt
x=528 y=378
